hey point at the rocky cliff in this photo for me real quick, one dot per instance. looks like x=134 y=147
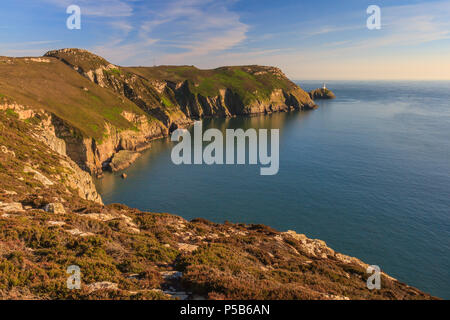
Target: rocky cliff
x=166 y=90
x=99 y=109
x=321 y=93
x=40 y=128
x=93 y=122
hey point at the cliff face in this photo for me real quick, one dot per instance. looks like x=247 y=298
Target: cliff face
x=88 y=153
x=142 y=92
x=93 y=122
x=39 y=164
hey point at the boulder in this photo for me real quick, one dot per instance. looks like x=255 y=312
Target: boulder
x=5 y=150
x=123 y=159
x=11 y=207
x=56 y=223
x=56 y=208
x=38 y=176
x=77 y=232
x=9 y=193
x=187 y=247
x=105 y=285
x=171 y=275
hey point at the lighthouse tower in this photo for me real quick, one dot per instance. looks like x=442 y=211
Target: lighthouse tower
x=324 y=86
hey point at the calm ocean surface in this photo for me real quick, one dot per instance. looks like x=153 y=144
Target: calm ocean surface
x=369 y=173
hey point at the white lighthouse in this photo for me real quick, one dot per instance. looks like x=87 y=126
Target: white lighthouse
x=324 y=86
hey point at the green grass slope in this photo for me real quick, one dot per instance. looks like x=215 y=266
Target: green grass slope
x=55 y=87
x=156 y=90
x=249 y=82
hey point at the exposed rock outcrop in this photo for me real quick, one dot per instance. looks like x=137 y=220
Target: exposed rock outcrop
x=321 y=93
x=124 y=253
x=46 y=131
x=123 y=159
x=11 y=207
x=57 y=208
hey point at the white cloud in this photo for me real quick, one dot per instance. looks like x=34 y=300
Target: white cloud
x=180 y=31
x=120 y=52
x=122 y=25
x=203 y=27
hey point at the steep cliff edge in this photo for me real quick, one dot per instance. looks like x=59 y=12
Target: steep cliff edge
x=93 y=122
x=46 y=226
x=34 y=163
x=99 y=109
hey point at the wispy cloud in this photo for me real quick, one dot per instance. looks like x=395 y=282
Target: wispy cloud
x=405 y=25
x=332 y=29
x=120 y=52
x=177 y=31
x=203 y=27
x=122 y=25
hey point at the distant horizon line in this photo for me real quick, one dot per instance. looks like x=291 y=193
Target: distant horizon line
x=239 y=65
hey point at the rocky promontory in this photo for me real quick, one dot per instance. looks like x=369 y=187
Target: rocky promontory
x=321 y=93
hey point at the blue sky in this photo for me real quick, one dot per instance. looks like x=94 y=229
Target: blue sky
x=319 y=39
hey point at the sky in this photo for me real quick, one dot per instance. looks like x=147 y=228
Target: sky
x=308 y=40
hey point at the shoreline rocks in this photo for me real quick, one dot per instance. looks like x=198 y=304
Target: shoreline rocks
x=123 y=159
x=321 y=93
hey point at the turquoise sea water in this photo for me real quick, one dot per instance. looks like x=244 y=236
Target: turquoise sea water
x=369 y=173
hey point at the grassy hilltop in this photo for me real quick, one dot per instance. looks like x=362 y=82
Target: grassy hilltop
x=88 y=93
x=53 y=86
x=249 y=82
x=99 y=108
x=185 y=91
